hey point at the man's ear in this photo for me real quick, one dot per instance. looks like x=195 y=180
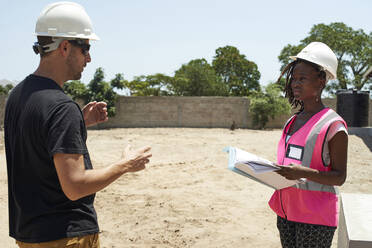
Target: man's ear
x=64 y=48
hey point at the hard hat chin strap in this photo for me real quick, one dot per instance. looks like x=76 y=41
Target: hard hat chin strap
x=48 y=47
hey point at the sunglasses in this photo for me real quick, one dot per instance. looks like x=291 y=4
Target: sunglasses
x=81 y=43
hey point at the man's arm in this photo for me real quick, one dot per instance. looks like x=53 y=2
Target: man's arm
x=78 y=182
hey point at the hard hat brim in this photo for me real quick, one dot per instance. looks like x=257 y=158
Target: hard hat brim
x=331 y=75
x=87 y=37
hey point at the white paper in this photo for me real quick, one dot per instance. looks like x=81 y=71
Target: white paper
x=257 y=164
x=256 y=168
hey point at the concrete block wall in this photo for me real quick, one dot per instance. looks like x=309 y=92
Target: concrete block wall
x=180 y=112
x=189 y=112
x=207 y=112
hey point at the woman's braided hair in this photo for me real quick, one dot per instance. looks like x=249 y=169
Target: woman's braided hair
x=288 y=71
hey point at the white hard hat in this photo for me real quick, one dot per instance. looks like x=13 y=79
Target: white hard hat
x=65 y=20
x=320 y=54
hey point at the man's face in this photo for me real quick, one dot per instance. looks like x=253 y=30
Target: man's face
x=77 y=60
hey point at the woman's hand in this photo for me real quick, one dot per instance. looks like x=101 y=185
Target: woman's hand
x=292 y=171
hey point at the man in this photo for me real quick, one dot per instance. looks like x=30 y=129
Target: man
x=51 y=182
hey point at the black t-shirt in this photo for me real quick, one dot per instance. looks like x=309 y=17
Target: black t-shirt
x=40 y=121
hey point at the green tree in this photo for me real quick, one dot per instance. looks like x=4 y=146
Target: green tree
x=268 y=104
x=119 y=81
x=281 y=84
x=99 y=90
x=197 y=78
x=76 y=89
x=96 y=90
x=239 y=74
x=151 y=85
x=5 y=89
x=353 y=49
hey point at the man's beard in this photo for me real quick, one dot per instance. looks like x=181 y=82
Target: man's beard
x=73 y=70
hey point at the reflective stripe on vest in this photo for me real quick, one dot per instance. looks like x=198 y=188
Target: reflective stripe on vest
x=308 y=153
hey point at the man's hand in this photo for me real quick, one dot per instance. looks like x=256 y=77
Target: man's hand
x=133 y=161
x=78 y=182
x=94 y=113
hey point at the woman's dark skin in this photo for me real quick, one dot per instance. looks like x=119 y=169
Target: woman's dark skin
x=307 y=86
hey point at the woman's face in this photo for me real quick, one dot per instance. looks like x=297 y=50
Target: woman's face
x=306 y=83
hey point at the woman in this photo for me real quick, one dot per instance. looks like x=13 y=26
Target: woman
x=313 y=146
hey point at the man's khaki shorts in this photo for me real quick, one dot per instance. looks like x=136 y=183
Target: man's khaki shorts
x=88 y=241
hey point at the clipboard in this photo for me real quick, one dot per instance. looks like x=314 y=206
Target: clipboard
x=241 y=162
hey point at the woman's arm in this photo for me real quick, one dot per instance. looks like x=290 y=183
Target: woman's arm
x=338 y=155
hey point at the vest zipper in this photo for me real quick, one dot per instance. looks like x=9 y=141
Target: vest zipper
x=280 y=191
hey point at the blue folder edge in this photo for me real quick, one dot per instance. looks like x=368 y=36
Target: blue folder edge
x=232 y=153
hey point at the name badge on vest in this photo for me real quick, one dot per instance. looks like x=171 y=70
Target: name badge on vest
x=295 y=152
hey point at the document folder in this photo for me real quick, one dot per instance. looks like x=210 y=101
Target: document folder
x=257 y=169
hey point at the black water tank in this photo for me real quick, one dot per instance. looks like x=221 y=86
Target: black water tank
x=353 y=106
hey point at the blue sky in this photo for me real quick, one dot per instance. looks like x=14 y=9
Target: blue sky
x=146 y=37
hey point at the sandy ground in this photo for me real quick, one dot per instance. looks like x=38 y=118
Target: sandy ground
x=187 y=197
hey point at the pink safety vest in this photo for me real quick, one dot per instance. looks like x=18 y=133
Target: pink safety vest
x=311 y=202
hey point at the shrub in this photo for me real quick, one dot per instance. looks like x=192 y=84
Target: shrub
x=268 y=104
